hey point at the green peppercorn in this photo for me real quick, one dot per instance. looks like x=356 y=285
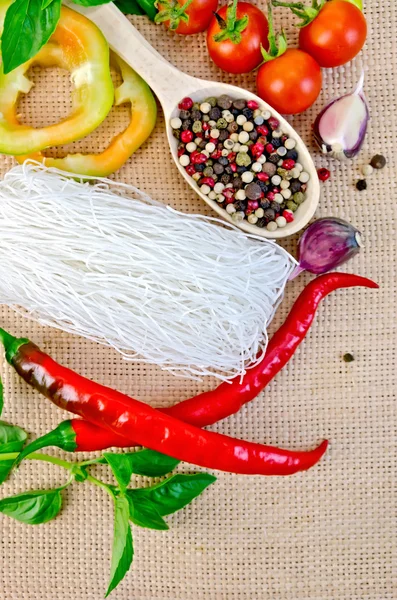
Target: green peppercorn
x=291 y=205
x=243 y=159
x=197 y=127
x=206 y=118
x=208 y=172
x=196 y=106
x=221 y=123
x=282 y=172
x=211 y=101
x=298 y=198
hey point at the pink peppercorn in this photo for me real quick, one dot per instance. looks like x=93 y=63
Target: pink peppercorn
x=207 y=181
x=229 y=199
x=257 y=149
x=263 y=130
x=233 y=167
x=197 y=158
x=206 y=127
x=269 y=148
x=323 y=174
x=181 y=151
x=270 y=196
x=231 y=157
x=252 y=104
x=263 y=176
x=274 y=123
x=187 y=136
x=217 y=154
x=252 y=205
x=190 y=170
x=288 y=215
x=288 y=164
x=185 y=104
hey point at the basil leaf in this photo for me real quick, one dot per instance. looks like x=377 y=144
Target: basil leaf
x=1 y=396
x=27 y=27
x=12 y=438
x=123 y=550
x=145 y=462
x=174 y=493
x=129 y=7
x=33 y=508
x=91 y=2
x=145 y=514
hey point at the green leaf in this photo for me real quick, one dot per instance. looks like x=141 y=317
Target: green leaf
x=46 y=3
x=145 y=514
x=174 y=493
x=12 y=439
x=148 y=6
x=145 y=462
x=123 y=550
x=91 y=2
x=27 y=27
x=121 y=465
x=1 y=396
x=129 y=7
x=33 y=508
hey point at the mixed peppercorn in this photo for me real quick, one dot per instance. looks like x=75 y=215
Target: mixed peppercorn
x=241 y=159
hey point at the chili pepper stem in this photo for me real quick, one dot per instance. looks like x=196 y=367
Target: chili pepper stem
x=62 y=437
x=41 y=457
x=11 y=344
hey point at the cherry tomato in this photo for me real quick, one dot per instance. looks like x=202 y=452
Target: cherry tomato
x=198 y=12
x=336 y=35
x=290 y=83
x=243 y=55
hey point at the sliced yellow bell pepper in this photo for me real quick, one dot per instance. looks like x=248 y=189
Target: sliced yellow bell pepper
x=79 y=46
x=137 y=93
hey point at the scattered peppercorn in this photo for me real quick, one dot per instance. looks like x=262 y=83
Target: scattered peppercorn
x=323 y=174
x=361 y=185
x=241 y=159
x=378 y=161
x=348 y=358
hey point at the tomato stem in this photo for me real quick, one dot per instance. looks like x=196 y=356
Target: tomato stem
x=307 y=14
x=232 y=28
x=277 y=44
x=173 y=12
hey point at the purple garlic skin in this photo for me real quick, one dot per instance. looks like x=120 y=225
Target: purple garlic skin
x=326 y=244
x=341 y=127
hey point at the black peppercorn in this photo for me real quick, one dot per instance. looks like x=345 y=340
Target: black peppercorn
x=274 y=158
x=269 y=215
x=239 y=104
x=361 y=185
x=295 y=186
x=241 y=169
x=248 y=113
x=218 y=169
x=253 y=135
x=232 y=127
x=277 y=143
x=187 y=124
x=275 y=206
x=223 y=135
x=378 y=161
x=348 y=358
x=215 y=113
x=264 y=203
x=261 y=222
x=229 y=170
x=225 y=179
x=185 y=114
x=196 y=115
x=264 y=186
x=240 y=205
x=238 y=183
x=292 y=154
x=223 y=161
x=200 y=168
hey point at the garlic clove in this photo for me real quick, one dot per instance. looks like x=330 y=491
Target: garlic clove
x=326 y=244
x=340 y=128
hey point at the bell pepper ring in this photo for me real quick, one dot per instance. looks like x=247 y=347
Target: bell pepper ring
x=79 y=46
x=134 y=91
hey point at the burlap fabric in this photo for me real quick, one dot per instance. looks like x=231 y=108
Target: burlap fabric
x=329 y=534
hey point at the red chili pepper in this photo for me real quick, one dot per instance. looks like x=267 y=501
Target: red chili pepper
x=130 y=418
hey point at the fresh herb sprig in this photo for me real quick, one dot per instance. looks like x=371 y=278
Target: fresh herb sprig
x=144 y=507
x=29 y=24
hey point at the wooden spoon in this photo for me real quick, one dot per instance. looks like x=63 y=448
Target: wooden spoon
x=170 y=85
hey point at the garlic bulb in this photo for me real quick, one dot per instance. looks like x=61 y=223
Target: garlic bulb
x=341 y=126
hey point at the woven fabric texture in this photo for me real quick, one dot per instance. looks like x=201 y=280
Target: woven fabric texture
x=329 y=534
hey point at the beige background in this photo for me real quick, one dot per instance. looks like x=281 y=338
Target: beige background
x=329 y=534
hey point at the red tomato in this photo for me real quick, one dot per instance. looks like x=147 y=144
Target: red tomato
x=336 y=35
x=245 y=55
x=290 y=83
x=199 y=12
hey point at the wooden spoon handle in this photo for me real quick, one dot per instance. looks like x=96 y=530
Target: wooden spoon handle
x=166 y=81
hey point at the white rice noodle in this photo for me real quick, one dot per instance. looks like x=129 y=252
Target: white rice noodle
x=103 y=260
